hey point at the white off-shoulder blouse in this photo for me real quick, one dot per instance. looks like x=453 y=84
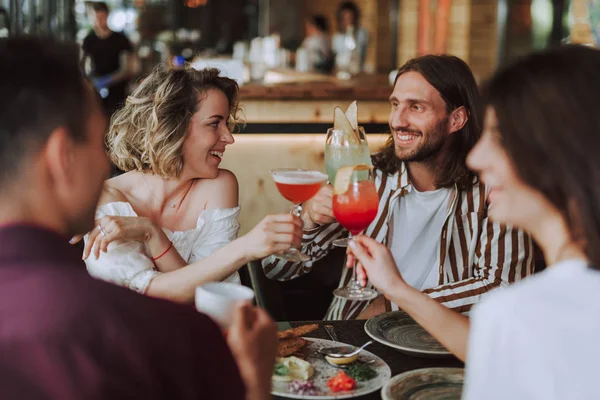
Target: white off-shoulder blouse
x=129 y=264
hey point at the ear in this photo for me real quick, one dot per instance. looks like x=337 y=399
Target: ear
x=458 y=119
x=59 y=155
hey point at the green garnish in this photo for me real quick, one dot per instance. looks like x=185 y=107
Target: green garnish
x=361 y=372
x=281 y=370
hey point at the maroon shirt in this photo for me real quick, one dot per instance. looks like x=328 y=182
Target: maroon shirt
x=65 y=335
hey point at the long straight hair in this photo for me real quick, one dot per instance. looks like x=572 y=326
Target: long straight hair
x=453 y=79
x=547 y=110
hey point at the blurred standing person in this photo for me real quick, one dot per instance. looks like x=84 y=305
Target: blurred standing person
x=111 y=57
x=318 y=44
x=350 y=36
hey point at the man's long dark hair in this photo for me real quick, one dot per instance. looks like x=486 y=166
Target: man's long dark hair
x=547 y=110
x=453 y=79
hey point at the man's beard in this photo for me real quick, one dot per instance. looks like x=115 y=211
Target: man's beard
x=430 y=146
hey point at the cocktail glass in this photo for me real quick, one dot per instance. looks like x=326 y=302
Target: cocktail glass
x=356 y=209
x=297 y=186
x=342 y=150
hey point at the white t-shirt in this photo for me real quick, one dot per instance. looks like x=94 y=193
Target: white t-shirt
x=414 y=238
x=538 y=339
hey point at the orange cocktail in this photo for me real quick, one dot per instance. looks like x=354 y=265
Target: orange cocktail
x=357 y=207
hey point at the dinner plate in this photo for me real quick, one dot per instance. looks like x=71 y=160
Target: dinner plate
x=398 y=330
x=324 y=371
x=425 y=384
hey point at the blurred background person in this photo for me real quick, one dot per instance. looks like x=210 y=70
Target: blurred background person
x=351 y=38
x=111 y=59
x=4 y=24
x=318 y=44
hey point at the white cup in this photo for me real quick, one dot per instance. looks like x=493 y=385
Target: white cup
x=219 y=299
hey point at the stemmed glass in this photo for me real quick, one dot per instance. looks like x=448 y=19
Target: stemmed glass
x=297 y=186
x=355 y=207
x=341 y=149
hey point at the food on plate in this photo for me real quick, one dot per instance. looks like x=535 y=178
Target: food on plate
x=304 y=388
x=361 y=372
x=341 y=383
x=342 y=360
x=291 y=368
x=287 y=347
x=298 y=331
x=280 y=370
x=290 y=341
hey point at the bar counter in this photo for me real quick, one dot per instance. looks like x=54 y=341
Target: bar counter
x=293 y=103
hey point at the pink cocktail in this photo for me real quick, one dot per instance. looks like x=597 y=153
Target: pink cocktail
x=297 y=186
x=356 y=208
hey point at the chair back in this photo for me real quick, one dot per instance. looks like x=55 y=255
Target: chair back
x=267 y=291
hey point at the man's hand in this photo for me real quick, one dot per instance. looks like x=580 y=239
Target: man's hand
x=319 y=209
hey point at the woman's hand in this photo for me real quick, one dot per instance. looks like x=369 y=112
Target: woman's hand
x=273 y=234
x=252 y=338
x=376 y=263
x=111 y=228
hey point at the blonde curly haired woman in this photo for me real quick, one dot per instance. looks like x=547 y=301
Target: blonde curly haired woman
x=169 y=223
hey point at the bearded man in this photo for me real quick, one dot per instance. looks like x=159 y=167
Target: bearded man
x=432 y=209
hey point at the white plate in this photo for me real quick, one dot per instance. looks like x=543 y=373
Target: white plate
x=324 y=371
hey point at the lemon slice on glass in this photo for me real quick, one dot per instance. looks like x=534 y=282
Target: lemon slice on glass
x=344 y=176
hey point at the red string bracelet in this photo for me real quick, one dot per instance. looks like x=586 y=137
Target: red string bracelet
x=163 y=253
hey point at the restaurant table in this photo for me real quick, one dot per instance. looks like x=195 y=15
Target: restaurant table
x=353 y=332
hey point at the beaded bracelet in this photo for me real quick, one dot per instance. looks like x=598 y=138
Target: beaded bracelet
x=163 y=253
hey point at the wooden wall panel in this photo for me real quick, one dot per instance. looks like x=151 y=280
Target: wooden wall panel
x=257 y=111
x=408 y=30
x=483 y=38
x=252 y=157
x=472 y=32
x=384 y=60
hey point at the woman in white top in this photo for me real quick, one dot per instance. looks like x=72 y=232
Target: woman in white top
x=174 y=206
x=537 y=339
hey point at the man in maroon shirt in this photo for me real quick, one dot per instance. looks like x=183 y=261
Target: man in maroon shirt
x=63 y=334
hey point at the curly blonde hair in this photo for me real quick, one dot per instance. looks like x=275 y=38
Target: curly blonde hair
x=148 y=133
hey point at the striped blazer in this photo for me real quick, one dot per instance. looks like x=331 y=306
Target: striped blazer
x=476 y=255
